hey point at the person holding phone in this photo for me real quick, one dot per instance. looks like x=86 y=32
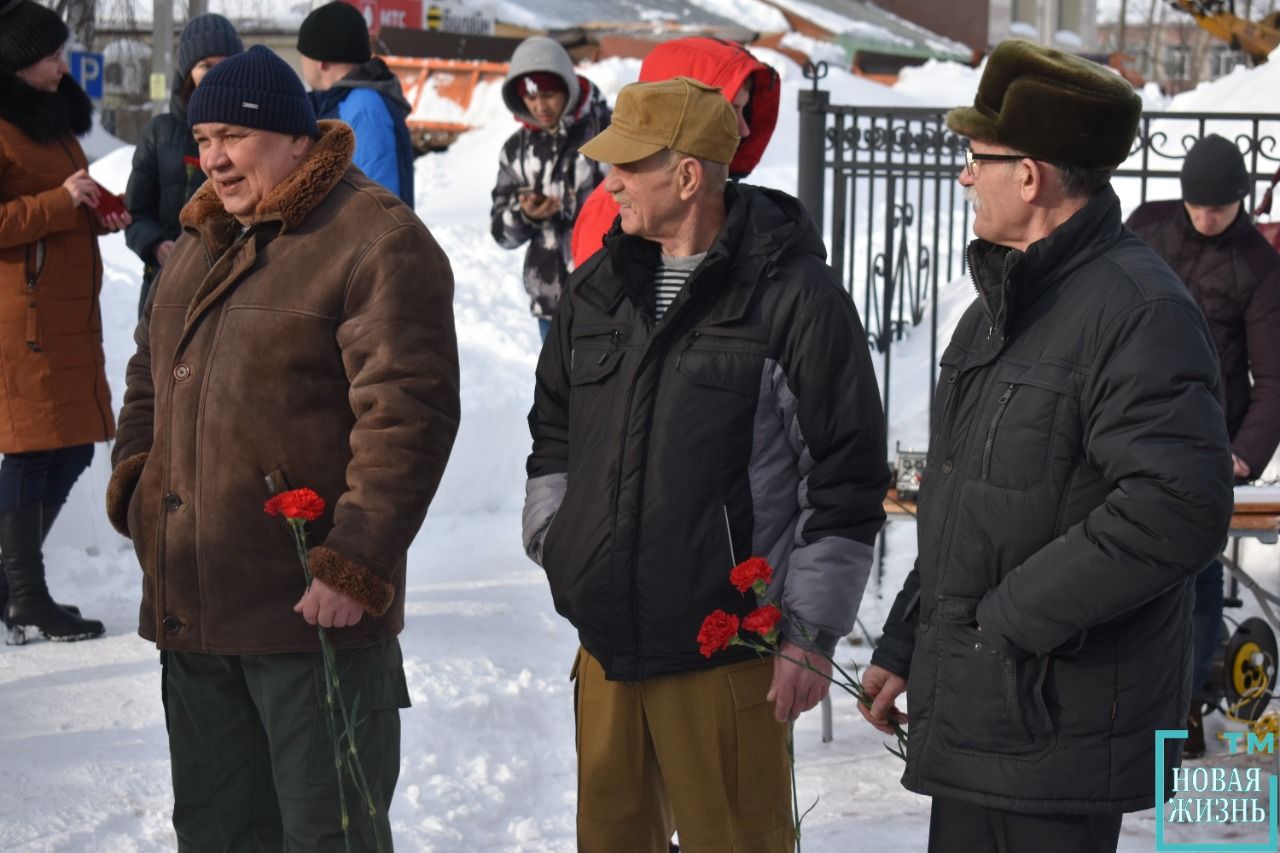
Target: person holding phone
x=166 y=163
x=542 y=180
x=54 y=400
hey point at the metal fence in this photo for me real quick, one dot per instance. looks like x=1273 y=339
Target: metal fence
x=881 y=184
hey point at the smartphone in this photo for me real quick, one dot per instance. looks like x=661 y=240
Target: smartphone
x=108 y=203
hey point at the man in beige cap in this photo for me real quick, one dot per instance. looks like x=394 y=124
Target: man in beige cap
x=705 y=395
x=1079 y=478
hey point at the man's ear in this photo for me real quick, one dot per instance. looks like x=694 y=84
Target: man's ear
x=1034 y=179
x=689 y=178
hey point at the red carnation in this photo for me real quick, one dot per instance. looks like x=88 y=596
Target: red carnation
x=716 y=633
x=750 y=571
x=303 y=504
x=763 y=620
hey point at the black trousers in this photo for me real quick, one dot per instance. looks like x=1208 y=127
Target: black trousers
x=958 y=827
x=252 y=757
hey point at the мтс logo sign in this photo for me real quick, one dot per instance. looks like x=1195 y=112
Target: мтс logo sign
x=1218 y=796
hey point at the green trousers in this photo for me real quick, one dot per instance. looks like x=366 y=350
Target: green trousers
x=252 y=756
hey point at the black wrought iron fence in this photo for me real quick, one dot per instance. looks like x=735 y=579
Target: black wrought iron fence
x=881 y=184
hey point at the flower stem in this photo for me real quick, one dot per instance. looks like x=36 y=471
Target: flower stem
x=350 y=760
x=795 y=794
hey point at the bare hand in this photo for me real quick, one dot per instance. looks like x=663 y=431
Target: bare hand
x=115 y=221
x=537 y=206
x=1239 y=467
x=163 y=251
x=796 y=688
x=324 y=605
x=883 y=687
x=82 y=188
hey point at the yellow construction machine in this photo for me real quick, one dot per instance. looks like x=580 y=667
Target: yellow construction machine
x=1256 y=39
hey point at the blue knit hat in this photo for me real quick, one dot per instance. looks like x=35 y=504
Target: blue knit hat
x=254 y=89
x=204 y=36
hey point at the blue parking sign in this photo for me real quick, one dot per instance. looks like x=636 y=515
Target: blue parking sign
x=86 y=68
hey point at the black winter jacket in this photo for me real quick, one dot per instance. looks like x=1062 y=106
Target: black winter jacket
x=746 y=422
x=1078 y=476
x=166 y=173
x=1235 y=279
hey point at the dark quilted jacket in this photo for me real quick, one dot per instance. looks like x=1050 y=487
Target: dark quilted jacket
x=1235 y=279
x=1078 y=478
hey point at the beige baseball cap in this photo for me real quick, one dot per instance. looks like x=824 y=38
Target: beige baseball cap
x=681 y=114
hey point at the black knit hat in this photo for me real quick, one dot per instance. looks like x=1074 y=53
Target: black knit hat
x=204 y=36
x=1214 y=173
x=254 y=89
x=335 y=32
x=28 y=33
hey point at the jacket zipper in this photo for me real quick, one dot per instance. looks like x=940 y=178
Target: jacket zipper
x=728 y=532
x=693 y=338
x=615 y=340
x=991 y=430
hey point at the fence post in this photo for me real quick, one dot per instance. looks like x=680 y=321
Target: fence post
x=811 y=181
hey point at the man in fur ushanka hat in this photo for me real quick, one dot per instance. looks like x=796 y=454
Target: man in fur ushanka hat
x=1079 y=478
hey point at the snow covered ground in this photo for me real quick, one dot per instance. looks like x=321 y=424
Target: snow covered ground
x=487 y=762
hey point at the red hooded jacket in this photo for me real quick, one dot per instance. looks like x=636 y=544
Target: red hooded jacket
x=716 y=63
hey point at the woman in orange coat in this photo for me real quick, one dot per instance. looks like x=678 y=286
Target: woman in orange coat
x=54 y=401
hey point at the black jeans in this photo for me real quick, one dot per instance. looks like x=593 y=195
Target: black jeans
x=958 y=827
x=1206 y=625
x=41 y=476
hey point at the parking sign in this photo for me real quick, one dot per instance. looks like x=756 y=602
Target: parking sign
x=86 y=68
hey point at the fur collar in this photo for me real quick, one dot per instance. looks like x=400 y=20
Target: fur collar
x=291 y=201
x=45 y=116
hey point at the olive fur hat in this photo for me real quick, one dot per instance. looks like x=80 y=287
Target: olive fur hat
x=1051 y=106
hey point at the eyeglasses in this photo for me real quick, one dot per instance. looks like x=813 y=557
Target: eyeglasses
x=970 y=158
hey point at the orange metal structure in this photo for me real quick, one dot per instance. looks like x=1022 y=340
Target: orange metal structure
x=452 y=79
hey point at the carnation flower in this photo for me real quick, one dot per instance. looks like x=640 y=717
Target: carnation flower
x=763 y=621
x=749 y=572
x=717 y=632
x=302 y=504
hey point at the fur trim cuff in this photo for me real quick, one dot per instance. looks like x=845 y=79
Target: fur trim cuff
x=353 y=579
x=124 y=479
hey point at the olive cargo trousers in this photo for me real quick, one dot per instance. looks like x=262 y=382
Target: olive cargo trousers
x=698 y=752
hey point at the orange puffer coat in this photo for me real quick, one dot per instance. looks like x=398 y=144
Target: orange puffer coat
x=54 y=390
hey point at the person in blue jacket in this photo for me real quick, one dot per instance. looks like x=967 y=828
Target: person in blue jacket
x=348 y=83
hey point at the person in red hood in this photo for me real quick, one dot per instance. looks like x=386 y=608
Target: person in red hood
x=750 y=86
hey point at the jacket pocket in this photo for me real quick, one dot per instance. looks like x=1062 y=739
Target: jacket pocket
x=713 y=358
x=374 y=689
x=1021 y=423
x=990 y=697
x=594 y=360
x=595 y=353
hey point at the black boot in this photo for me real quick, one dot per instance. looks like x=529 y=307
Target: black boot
x=21 y=534
x=50 y=514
